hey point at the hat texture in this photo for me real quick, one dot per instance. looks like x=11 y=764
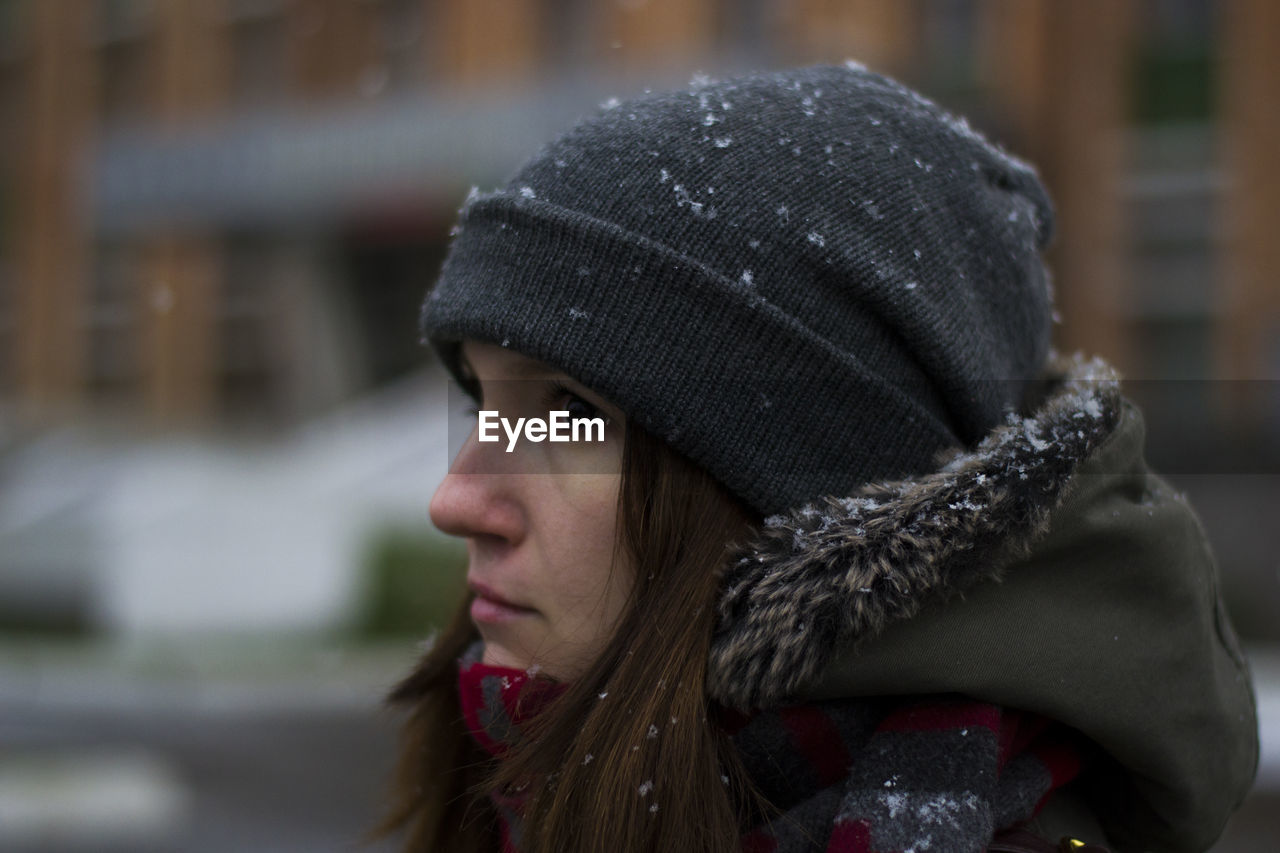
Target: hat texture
x=804 y=281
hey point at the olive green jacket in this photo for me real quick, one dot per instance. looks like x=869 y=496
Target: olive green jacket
x=1047 y=570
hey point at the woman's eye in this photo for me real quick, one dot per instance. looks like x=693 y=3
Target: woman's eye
x=579 y=408
x=561 y=398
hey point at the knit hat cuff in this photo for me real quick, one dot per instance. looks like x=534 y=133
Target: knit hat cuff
x=607 y=306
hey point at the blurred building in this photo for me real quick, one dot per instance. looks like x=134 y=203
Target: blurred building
x=226 y=210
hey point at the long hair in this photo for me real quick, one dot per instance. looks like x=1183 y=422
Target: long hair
x=644 y=768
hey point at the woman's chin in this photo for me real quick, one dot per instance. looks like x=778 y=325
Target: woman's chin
x=560 y=667
x=497 y=654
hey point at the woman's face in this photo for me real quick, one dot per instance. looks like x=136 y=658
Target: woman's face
x=540 y=520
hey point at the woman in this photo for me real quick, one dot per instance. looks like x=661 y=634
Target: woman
x=857 y=564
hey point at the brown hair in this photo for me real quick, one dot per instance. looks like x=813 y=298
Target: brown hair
x=588 y=757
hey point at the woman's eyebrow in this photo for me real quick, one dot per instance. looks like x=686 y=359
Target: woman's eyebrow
x=530 y=369
x=525 y=368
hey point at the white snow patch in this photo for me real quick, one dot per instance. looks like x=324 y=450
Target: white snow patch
x=645 y=788
x=941 y=810
x=817 y=239
x=698 y=208
x=896 y=803
x=1028 y=429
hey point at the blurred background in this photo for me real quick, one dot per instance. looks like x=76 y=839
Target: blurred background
x=218 y=431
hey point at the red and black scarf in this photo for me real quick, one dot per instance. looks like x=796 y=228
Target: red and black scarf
x=936 y=774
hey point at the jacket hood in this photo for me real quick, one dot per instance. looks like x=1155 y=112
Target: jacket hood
x=1046 y=569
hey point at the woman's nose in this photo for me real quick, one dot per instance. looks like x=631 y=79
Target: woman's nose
x=480 y=494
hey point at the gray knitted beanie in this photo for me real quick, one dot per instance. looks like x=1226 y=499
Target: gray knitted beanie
x=803 y=281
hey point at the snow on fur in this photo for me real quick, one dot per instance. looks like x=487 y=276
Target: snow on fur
x=842 y=568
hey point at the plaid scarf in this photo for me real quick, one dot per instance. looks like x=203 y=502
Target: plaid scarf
x=941 y=774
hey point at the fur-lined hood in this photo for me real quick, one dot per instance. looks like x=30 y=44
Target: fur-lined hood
x=839 y=570
x=1106 y=615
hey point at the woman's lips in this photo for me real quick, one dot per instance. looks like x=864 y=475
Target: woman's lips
x=488 y=606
